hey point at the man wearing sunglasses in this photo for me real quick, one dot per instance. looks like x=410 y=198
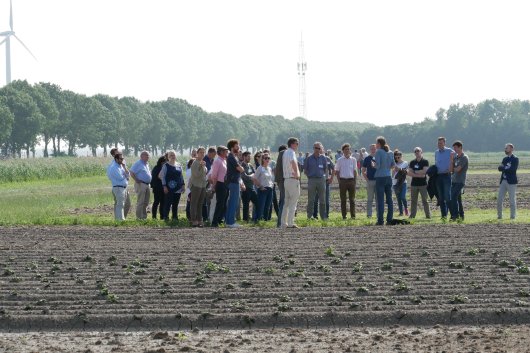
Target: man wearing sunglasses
x=118 y=174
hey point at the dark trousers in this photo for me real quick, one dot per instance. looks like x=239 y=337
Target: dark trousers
x=274 y=205
x=347 y=186
x=383 y=189
x=171 y=201
x=456 y=209
x=281 y=201
x=248 y=196
x=221 y=194
x=443 y=186
x=158 y=203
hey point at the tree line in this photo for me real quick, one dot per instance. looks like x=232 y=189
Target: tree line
x=45 y=114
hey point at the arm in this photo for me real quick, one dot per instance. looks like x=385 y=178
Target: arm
x=451 y=159
x=296 y=173
x=513 y=166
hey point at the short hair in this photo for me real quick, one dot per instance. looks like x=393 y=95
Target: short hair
x=246 y=153
x=144 y=152
x=457 y=143
x=510 y=145
x=283 y=148
x=441 y=138
x=113 y=151
x=221 y=149
x=201 y=148
x=118 y=155
x=211 y=150
x=418 y=149
x=346 y=145
x=291 y=141
x=231 y=143
x=266 y=150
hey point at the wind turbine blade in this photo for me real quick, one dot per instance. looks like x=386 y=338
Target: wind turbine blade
x=24 y=45
x=11 y=14
x=2 y=42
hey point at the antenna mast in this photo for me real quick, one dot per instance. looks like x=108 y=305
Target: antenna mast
x=302 y=67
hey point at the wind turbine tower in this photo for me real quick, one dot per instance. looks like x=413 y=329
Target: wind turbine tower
x=7 y=41
x=302 y=67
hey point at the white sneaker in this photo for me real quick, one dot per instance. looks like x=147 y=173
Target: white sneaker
x=235 y=225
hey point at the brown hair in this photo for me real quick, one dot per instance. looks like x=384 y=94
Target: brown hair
x=231 y=143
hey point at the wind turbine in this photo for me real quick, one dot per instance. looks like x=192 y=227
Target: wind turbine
x=7 y=41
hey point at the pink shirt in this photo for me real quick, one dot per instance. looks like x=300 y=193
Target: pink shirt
x=218 y=171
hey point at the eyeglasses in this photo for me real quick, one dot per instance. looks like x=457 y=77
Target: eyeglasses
x=316 y=148
x=265 y=158
x=417 y=151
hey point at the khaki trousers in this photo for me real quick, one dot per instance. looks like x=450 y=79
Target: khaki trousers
x=414 y=191
x=122 y=203
x=370 y=193
x=144 y=195
x=198 y=195
x=292 y=194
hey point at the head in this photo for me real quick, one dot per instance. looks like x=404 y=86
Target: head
x=441 y=143
x=246 y=157
x=118 y=157
x=299 y=153
x=171 y=156
x=114 y=151
x=317 y=149
x=284 y=147
x=267 y=151
x=418 y=153
x=380 y=142
x=508 y=149
x=161 y=161
x=144 y=156
x=194 y=153
x=346 y=150
x=265 y=159
x=201 y=151
x=373 y=149
x=222 y=151
x=398 y=156
x=293 y=143
x=211 y=153
x=233 y=145
x=458 y=147
x=363 y=150
x=257 y=158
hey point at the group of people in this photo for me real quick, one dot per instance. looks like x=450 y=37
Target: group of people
x=220 y=180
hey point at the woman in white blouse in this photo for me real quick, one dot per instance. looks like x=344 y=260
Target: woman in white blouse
x=399 y=182
x=264 y=181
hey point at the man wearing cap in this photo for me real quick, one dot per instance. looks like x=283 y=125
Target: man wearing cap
x=141 y=174
x=119 y=177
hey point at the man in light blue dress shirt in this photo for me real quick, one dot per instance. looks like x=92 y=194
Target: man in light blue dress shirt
x=119 y=177
x=141 y=174
x=443 y=158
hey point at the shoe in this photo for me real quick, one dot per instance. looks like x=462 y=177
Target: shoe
x=406 y=212
x=401 y=215
x=235 y=225
x=294 y=226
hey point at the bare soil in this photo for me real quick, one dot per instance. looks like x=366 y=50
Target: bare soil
x=348 y=287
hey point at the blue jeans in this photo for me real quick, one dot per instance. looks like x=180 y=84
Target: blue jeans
x=383 y=188
x=443 y=186
x=401 y=198
x=456 y=207
x=233 y=203
x=264 y=202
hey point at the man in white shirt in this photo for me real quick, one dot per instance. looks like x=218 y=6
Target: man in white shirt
x=291 y=175
x=346 y=171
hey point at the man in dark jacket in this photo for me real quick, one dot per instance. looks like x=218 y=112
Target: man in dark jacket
x=508 y=182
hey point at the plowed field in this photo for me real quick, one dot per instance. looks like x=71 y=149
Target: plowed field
x=96 y=279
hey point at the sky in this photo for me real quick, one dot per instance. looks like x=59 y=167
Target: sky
x=382 y=61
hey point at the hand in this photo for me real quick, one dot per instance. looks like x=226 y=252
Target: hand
x=202 y=163
x=166 y=190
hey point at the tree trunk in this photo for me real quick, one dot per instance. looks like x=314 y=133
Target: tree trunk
x=94 y=151
x=105 y=151
x=58 y=145
x=46 y=142
x=54 y=147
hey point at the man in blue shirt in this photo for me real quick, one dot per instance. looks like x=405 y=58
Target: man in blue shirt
x=443 y=158
x=508 y=183
x=141 y=174
x=233 y=179
x=316 y=170
x=383 y=163
x=119 y=177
